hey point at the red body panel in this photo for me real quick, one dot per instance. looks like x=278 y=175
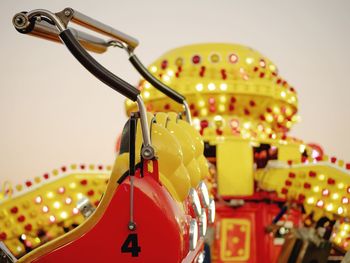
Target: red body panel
x=161 y=229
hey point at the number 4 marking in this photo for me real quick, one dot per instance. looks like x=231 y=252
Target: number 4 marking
x=131 y=245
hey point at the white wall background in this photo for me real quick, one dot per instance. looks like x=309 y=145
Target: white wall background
x=53 y=112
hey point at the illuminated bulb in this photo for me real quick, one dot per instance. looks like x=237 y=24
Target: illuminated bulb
x=283 y=94
x=52 y=219
x=221 y=108
x=223 y=98
x=249 y=60
x=345 y=200
x=79 y=196
x=310 y=200
x=68 y=200
x=341 y=186
x=204 y=112
x=272 y=67
x=153 y=69
x=335 y=196
x=199 y=87
x=246 y=125
x=61 y=190
x=288 y=124
x=320 y=203
x=166 y=78
x=346 y=227
x=288 y=111
x=45 y=209
x=273 y=136
x=325 y=192
x=223 y=86
x=276 y=110
x=75 y=211
x=38 y=199
x=147 y=85
x=293 y=99
x=268 y=130
x=72 y=185
x=269 y=118
x=170 y=73
x=64 y=215
x=56 y=205
x=201 y=103
x=50 y=194
x=146 y=94
x=23 y=237
x=342 y=233
x=302 y=148
x=211 y=86
x=321 y=177
x=340 y=210
x=338 y=240
x=218 y=119
x=314 y=154
x=280 y=119
x=260 y=127
x=316 y=189
x=329 y=207
x=234 y=123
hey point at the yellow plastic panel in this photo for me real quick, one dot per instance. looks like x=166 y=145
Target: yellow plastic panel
x=235 y=168
x=289 y=152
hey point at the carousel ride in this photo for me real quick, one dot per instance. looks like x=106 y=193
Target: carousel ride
x=278 y=198
x=152 y=206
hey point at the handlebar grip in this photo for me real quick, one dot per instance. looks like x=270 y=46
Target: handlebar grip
x=154 y=81
x=99 y=27
x=96 y=68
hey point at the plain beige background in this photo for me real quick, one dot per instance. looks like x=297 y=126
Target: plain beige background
x=54 y=113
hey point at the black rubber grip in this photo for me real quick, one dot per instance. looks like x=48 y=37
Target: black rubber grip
x=96 y=68
x=154 y=81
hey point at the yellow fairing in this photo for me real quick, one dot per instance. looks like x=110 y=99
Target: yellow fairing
x=170 y=157
x=49 y=206
x=187 y=146
x=198 y=145
x=235 y=168
x=120 y=167
x=323 y=186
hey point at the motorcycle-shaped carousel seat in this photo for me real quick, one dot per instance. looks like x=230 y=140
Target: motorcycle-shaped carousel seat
x=147 y=213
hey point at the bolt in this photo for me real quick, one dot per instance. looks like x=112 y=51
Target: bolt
x=20 y=20
x=132 y=226
x=67 y=12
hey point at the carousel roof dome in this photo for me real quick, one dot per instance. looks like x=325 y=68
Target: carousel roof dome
x=229 y=87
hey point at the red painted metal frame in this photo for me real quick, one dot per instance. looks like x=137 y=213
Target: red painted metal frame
x=260 y=215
